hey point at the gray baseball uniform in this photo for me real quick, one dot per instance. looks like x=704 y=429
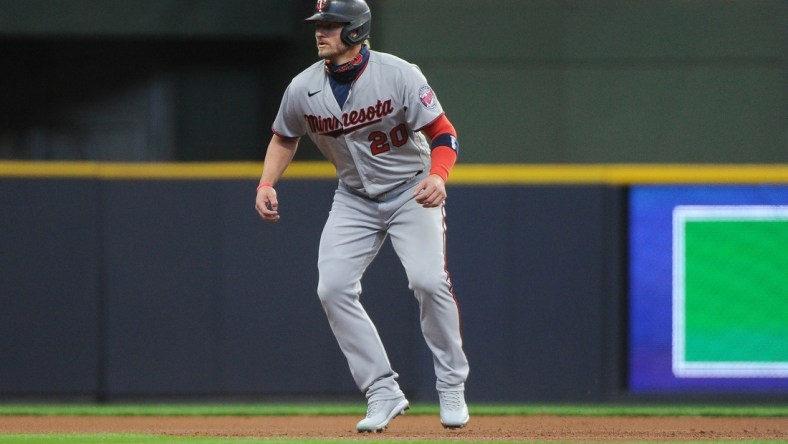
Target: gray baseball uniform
x=380 y=156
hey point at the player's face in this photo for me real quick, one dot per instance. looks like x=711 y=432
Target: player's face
x=329 y=43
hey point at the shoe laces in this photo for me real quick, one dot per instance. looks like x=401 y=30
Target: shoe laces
x=373 y=408
x=451 y=400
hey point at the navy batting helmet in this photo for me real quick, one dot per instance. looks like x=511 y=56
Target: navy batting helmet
x=354 y=14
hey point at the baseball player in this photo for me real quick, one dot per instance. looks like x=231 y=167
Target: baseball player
x=377 y=120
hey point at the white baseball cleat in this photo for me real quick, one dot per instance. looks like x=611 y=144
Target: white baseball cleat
x=380 y=412
x=454 y=411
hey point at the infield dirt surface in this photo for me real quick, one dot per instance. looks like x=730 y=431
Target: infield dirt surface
x=481 y=428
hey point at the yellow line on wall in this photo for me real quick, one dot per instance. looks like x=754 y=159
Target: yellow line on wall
x=122 y=170
x=620 y=174
x=469 y=174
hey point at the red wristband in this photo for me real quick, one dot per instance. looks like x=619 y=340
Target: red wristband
x=263 y=184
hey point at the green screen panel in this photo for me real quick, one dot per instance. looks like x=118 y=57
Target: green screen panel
x=731 y=291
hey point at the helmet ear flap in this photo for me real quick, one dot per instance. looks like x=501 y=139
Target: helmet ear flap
x=354 y=36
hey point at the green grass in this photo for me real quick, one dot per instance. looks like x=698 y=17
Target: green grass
x=168 y=409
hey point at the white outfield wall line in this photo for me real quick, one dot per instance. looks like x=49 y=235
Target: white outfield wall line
x=698 y=369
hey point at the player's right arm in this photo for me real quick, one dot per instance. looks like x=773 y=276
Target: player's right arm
x=278 y=156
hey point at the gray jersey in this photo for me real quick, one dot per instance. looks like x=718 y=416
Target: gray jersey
x=373 y=141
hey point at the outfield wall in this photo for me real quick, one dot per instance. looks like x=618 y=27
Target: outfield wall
x=134 y=280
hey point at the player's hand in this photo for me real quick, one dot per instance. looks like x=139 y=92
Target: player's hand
x=267 y=205
x=430 y=192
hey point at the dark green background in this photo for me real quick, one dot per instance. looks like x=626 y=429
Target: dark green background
x=586 y=81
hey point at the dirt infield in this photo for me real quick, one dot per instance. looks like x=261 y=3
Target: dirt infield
x=481 y=428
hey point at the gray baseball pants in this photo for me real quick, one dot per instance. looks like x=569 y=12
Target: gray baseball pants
x=356 y=228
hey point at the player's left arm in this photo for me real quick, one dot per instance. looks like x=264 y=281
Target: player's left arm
x=431 y=191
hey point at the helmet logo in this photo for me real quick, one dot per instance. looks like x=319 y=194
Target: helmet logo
x=321 y=5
